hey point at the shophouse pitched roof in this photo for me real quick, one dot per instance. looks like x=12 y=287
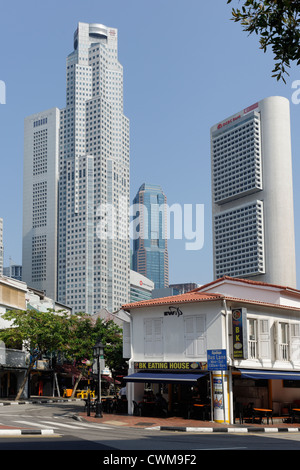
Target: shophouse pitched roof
x=249 y=282
x=188 y=297
x=199 y=295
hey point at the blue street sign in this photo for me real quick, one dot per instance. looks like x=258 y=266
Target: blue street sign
x=216 y=359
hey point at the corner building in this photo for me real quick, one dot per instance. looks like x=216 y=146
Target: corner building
x=175 y=345
x=93 y=257
x=252 y=194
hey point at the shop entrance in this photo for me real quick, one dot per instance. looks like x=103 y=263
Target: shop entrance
x=186 y=400
x=182 y=399
x=9 y=384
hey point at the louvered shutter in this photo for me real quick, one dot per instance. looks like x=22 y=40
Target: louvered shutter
x=195 y=337
x=264 y=339
x=126 y=340
x=153 y=337
x=157 y=337
x=295 y=342
x=148 y=337
x=189 y=336
x=200 y=336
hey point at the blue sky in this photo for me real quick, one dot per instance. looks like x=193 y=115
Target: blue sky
x=186 y=67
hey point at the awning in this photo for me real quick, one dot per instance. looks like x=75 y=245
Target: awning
x=270 y=374
x=110 y=379
x=155 y=377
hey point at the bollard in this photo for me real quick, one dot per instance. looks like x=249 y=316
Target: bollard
x=98 y=410
x=89 y=405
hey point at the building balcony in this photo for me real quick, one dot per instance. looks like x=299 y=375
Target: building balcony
x=12 y=358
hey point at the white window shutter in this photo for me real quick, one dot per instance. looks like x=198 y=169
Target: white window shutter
x=126 y=340
x=295 y=342
x=276 y=340
x=148 y=337
x=157 y=337
x=200 y=336
x=189 y=336
x=153 y=337
x=264 y=339
x=195 y=337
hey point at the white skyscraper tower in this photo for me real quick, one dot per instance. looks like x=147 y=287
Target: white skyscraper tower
x=252 y=194
x=93 y=253
x=40 y=199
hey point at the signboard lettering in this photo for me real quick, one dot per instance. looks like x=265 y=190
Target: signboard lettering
x=170 y=365
x=239 y=332
x=173 y=311
x=216 y=359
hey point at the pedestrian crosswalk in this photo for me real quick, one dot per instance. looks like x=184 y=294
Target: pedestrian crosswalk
x=58 y=425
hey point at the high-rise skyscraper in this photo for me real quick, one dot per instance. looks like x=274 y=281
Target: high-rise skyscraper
x=252 y=194
x=89 y=181
x=150 y=250
x=40 y=201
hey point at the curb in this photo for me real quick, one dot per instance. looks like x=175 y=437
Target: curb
x=30 y=402
x=224 y=430
x=153 y=428
x=208 y=429
x=26 y=432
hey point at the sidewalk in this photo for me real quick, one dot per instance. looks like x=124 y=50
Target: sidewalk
x=175 y=424
x=187 y=425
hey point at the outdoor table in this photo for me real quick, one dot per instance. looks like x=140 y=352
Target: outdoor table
x=147 y=407
x=203 y=407
x=262 y=413
x=294 y=412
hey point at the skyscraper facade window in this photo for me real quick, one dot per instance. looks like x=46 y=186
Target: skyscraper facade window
x=252 y=194
x=92 y=272
x=150 y=248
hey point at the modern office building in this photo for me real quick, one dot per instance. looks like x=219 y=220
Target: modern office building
x=150 y=247
x=40 y=200
x=140 y=287
x=185 y=287
x=88 y=147
x=252 y=194
x=14 y=271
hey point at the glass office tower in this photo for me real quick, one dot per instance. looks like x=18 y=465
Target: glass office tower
x=150 y=250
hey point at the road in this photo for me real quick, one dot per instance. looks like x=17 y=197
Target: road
x=71 y=434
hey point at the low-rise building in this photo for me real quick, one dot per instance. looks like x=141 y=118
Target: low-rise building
x=16 y=295
x=13 y=363
x=233 y=342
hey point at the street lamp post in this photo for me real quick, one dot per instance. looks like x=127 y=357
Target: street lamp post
x=87 y=365
x=98 y=353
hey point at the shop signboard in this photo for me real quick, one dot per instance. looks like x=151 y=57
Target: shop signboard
x=239 y=333
x=216 y=359
x=180 y=366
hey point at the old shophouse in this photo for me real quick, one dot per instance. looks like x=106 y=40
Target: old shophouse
x=231 y=343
